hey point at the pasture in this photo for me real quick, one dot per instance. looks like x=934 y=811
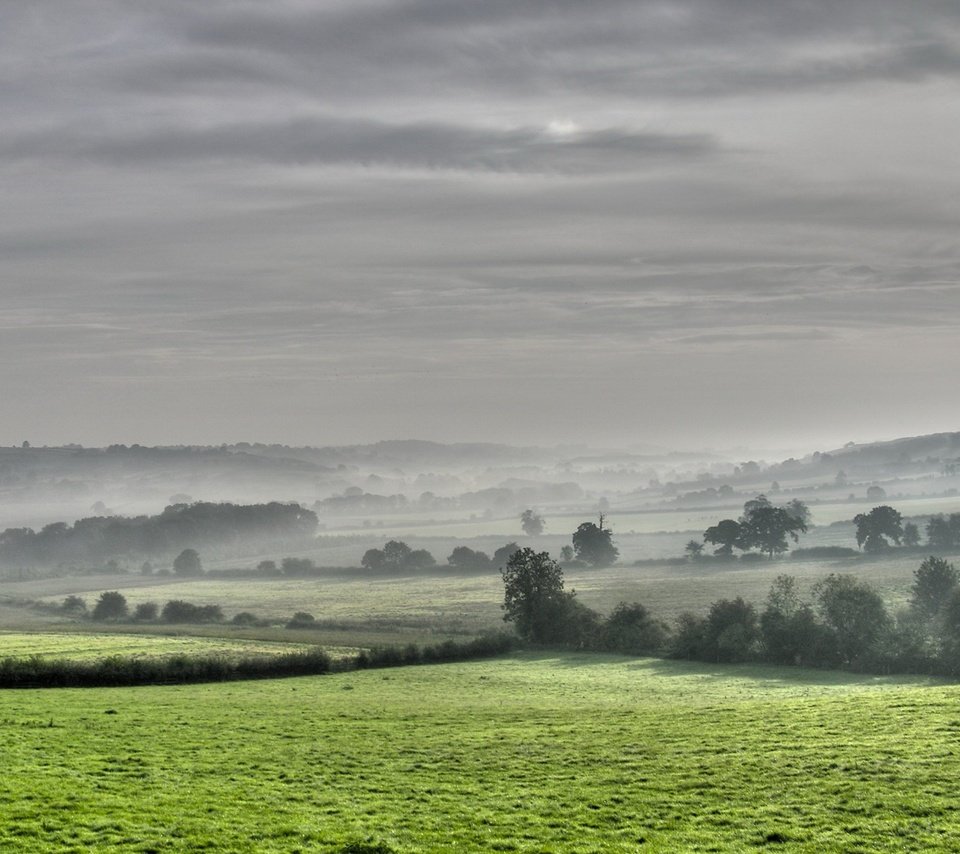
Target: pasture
x=86 y=646
x=420 y=608
x=526 y=753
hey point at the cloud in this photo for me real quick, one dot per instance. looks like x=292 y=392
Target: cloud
x=330 y=140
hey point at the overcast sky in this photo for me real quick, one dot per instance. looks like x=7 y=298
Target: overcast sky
x=702 y=222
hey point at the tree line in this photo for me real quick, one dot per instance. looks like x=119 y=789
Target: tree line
x=97 y=538
x=843 y=624
x=766 y=527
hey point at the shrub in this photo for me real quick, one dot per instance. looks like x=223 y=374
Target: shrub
x=146 y=612
x=302 y=620
x=74 y=605
x=110 y=606
x=178 y=611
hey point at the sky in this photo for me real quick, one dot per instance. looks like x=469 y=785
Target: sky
x=688 y=223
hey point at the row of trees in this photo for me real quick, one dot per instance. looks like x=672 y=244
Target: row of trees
x=844 y=623
x=98 y=538
x=592 y=544
x=763 y=526
x=766 y=527
x=112 y=606
x=883 y=527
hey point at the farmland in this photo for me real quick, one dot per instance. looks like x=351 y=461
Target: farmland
x=531 y=752
x=420 y=607
x=84 y=646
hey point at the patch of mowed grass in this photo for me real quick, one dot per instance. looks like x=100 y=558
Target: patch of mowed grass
x=527 y=753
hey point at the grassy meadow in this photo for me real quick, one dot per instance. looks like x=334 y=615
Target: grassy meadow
x=87 y=646
x=420 y=608
x=524 y=753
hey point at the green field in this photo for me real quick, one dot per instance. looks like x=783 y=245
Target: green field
x=421 y=607
x=77 y=646
x=528 y=753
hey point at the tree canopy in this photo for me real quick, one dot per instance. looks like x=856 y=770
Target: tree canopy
x=593 y=544
x=532 y=593
x=875 y=528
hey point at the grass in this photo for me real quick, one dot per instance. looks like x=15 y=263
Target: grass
x=528 y=753
x=361 y=612
x=77 y=646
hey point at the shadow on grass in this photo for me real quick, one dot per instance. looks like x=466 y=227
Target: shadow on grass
x=768 y=673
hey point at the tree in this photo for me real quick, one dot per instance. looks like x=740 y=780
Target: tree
x=566 y=554
x=731 y=631
x=593 y=544
x=145 y=612
x=74 y=604
x=110 y=606
x=789 y=630
x=943 y=532
x=725 y=534
x=854 y=612
x=532 y=593
x=532 y=523
x=631 y=628
x=799 y=510
x=911 y=535
x=188 y=563
x=694 y=549
x=768 y=527
x=372 y=559
x=396 y=554
x=468 y=559
x=875 y=527
x=503 y=554
x=933 y=582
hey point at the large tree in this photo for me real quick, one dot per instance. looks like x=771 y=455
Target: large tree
x=593 y=544
x=188 y=563
x=725 y=535
x=853 y=612
x=876 y=527
x=533 y=593
x=933 y=582
x=767 y=529
x=110 y=606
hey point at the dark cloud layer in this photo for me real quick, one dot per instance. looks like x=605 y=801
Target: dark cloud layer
x=344 y=220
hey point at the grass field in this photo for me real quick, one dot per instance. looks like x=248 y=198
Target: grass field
x=529 y=753
x=77 y=646
x=424 y=607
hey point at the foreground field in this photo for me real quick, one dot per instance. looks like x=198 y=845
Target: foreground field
x=528 y=753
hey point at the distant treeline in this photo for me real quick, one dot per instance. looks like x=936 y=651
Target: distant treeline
x=100 y=538
x=116 y=671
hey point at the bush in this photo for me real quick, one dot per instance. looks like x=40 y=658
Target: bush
x=188 y=563
x=146 y=612
x=74 y=605
x=244 y=618
x=110 y=606
x=38 y=672
x=178 y=611
x=302 y=620
x=631 y=629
